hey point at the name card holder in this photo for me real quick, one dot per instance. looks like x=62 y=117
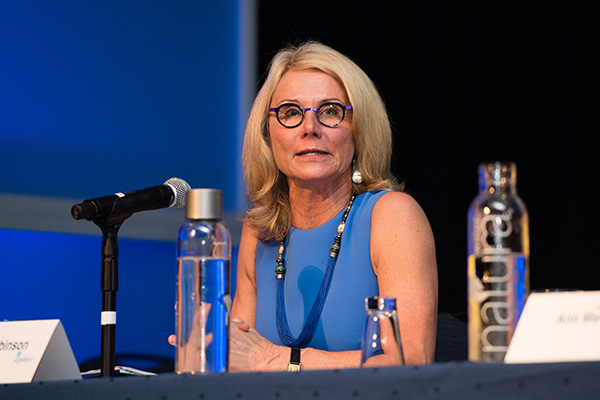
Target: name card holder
x=557 y=327
x=33 y=351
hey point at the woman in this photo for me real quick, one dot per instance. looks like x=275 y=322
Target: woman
x=318 y=147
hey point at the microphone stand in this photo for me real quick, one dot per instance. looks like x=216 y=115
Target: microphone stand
x=110 y=224
x=109 y=215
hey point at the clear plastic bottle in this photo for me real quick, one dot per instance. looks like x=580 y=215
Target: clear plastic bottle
x=203 y=296
x=498 y=261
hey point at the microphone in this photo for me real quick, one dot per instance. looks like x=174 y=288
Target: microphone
x=170 y=194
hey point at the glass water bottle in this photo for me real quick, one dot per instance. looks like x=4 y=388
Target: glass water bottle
x=203 y=298
x=381 y=344
x=498 y=261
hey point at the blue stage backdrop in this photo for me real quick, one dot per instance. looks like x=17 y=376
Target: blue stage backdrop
x=104 y=97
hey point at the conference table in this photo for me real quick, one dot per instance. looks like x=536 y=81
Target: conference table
x=451 y=380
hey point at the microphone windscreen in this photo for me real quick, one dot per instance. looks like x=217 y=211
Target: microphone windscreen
x=180 y=189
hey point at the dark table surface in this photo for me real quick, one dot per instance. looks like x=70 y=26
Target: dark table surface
x=460 y=380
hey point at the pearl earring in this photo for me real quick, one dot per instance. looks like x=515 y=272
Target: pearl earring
x=357 y=177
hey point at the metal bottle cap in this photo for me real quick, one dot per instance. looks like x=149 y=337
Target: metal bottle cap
x=204 y=204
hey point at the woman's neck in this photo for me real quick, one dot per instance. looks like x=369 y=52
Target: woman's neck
x=313 y=207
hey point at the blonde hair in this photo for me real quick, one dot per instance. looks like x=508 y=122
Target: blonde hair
x=372 y=134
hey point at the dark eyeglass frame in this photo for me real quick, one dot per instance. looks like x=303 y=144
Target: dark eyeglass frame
x=304 y=110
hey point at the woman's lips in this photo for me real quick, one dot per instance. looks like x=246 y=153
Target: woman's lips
x=312 y=152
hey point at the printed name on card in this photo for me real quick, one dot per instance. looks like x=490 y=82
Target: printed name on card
x=35 y=351
x=557 y=327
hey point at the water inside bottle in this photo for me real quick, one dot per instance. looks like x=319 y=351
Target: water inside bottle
x=202 y=314
x=497 y=294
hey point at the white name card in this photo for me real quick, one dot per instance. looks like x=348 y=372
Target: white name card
x=557 y=327
x=35 y=351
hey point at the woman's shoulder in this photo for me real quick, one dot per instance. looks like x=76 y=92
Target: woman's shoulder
x=393 y=208
x=390 y=200
x=249 y=232
x=397 y=198
x=400 y=227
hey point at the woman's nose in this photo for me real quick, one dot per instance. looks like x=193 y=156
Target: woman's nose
x=311 y=125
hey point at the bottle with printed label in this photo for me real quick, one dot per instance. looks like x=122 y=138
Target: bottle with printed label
x=498 y=262
x=203 y=296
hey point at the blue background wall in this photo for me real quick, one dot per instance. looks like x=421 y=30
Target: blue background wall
x=101 y=96
x=97 y=98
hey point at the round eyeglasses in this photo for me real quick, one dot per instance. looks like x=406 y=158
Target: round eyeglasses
x=329 y=114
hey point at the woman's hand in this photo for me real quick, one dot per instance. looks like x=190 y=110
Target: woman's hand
x=198 y=326
x=249 y=351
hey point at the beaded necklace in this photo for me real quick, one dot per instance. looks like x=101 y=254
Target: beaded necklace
x=310 y=325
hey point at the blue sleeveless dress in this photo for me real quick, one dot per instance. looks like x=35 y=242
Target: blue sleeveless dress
x=306 y=256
